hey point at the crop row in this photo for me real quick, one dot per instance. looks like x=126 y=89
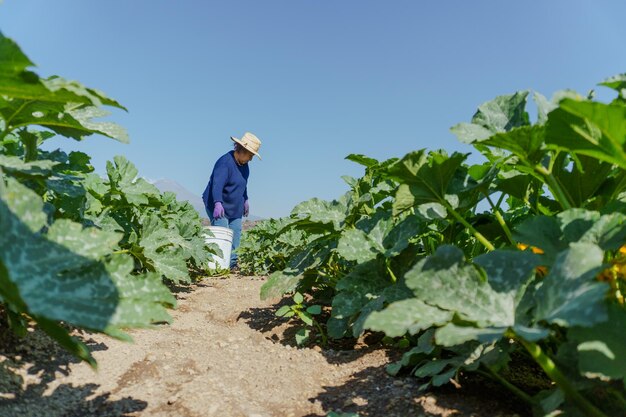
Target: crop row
x=78 y=250
x=539 y=276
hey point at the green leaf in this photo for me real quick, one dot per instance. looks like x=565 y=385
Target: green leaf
x=602 y=348
x=279 y=283
x=68 y=119
x=544 y=233
x=364 y=283
x=15 y=165
x=425 y=178
x=363 y=160
x=411 y=315
x=142 y=298
x=85 y=115
x=544 y=107
x=282 y=311
x=501 y=114
x=616 y=82
x=53 y=281
x=89 y=242
x=306 y=318
x=25 y=204
x=298 y=298
x=314 y=309
x=555 y=234
x=589 y=128
x=446 y=281
x=302 y=336
x=452 y=335
x=123 y=177
x=170 y=264
x=355 y=245
x=323 y=212
x=525 y=142
x=14 y=61
x=508 y=272
x=570 y=295
x=584 y=180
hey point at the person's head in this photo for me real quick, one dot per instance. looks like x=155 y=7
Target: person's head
x=246 y=147
x=242 y=154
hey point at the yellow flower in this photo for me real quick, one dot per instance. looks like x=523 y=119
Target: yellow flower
x=523 y=246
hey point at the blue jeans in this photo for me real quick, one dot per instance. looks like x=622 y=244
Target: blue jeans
x=235 y=226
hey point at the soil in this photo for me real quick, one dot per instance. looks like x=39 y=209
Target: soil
x=225 y=354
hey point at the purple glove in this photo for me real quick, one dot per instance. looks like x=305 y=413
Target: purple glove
x=218 y=210
x=246 y=208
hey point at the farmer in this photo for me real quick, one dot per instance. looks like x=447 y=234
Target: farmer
x=226 y=195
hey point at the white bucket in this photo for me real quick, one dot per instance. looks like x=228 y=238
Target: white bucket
x=222 y=237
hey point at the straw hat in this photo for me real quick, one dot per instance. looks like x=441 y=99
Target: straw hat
x=250 y=142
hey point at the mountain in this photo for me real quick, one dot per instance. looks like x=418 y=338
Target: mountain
x=183 y=194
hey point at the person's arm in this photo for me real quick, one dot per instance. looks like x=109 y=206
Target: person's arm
x=220 y=175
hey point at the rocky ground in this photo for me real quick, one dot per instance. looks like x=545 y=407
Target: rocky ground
x=225 y=354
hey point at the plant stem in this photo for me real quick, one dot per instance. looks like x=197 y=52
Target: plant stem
x=549 y=367
x=319 y=329
x=393 y=276
x=501 y=221
x=482 y=239
x=554 y=186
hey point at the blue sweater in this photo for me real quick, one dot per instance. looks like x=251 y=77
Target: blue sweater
x=228 y=184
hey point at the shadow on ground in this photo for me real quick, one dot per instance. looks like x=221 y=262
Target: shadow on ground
x=26 y=381
x=283 y=330
x=372 y=392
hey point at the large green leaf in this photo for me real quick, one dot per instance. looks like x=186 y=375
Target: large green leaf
x=18 y=83
x=363 y=160
x=360 y=293
x=25 y=203
x=602 y=348
x=445 y=280
x=584 y=180
x=498 y=115
x=355 y=245
x=364 y=283
x=410 y=315
x=16 y=166
x=312 y=256
x=570 y=295
x=279 y=283
x=66 y=107
x=545 y=106
x=377 y=235
x=143 y=298
x=487 y=307
x=589 y=128
x=525 y=142
x=123 y=176
x=66 y=275
x=166 y=260
x=616 y=82
x=323 y=212
x=68 y=119
x=553 y=234
x=53 y=281
x=425 y=178
x=90 y=242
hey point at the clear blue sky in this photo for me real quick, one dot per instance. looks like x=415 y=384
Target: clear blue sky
x=314 y=80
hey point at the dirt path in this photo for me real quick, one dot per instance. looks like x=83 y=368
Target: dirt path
x=224 y=355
